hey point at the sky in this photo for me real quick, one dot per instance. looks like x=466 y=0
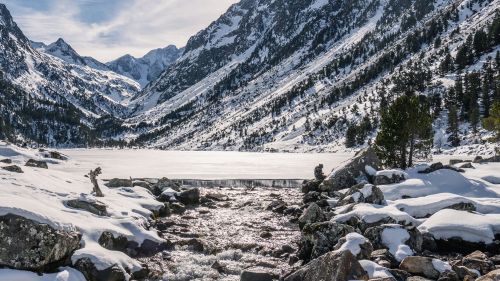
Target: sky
x=108 y=29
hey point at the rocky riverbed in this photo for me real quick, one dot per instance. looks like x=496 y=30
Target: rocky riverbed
x=231 y=231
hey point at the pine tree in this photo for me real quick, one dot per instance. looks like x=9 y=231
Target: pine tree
x=405 y=131
x=481 y=43
x=454 y=138
x=492 y=123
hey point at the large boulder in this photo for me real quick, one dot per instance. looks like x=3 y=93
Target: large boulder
x=256 y=274
x=389 y=177
x=121 y=243
x=30 y=245
x=401 y=241
x=92 y=273
x=363 y=193
x=424 y=266
x=36 y=164
x=320 y=238
x=189 y=196
x=478 y=261
x=93 y=206
x=13 y=169
x=312 y=214
x=334 y=266
x=359 y=246
x=352 y=172
x=113 y=183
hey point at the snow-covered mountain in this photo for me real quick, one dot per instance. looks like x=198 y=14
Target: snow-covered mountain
x=147 y=68
x=64 y=51
x=294 y=75
x=38 y=87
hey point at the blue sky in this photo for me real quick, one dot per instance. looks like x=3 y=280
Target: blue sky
x=107 y=29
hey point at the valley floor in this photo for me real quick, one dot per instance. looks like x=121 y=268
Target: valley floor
x=218 y=233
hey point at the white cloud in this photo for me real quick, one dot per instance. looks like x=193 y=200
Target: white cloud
x=134 y=27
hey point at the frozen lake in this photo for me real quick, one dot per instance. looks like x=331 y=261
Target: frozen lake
x=207 y=165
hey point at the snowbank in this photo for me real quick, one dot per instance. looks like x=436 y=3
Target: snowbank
x=41 y=195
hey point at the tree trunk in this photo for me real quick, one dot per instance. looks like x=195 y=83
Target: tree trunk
x=93 y=178
x=412 y=148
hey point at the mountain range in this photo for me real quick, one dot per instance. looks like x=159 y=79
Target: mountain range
x=267 y=75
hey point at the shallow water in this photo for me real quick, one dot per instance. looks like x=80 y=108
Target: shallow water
x=230 y=235
x=208 y=165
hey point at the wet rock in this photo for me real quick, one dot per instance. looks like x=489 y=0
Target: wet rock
x=363 y=193
x=422 y=266
x=14 y=169
x=277 y=206
x=338 y=266
x=478 y=261
x=352 y=172
x=36 y=164
x=189 y=196
x=6 y=161
x=320 y=238
x=177 y=208
x=93 y=206
x=256 y=275
x=491 y=276
x=312 y=214
x=113 y=183
x=91 y=273
x=27 y=244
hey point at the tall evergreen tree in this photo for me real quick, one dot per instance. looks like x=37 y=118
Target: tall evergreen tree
x=492 y=123
x=405 y=131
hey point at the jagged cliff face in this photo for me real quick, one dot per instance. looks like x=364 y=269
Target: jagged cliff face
x=149 y=67
x=290 y=75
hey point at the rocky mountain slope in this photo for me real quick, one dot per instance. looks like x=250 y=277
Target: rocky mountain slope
x=147 y=68
x=295 y=75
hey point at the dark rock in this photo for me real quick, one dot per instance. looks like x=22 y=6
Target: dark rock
x=55 y=155
x=399 y=275
x=36 y=164
x=374 y=234
x=394 y=178
x=320 y=238
x=277 y=206
x=318 y=173
x=458 y=245
x=121 y=243
x=417 y=278
x=14 y=169
x=6 y=161
x=346 y=176
x=312 y=214
x=363 y=193
x=143 y=184
x=478 y=159
x=312 y=196
x=467 y=165
x=462 y=272
x=93 y=206
x=432 y=168
x=455 y=161
x=177 y=208
x=493 y=159
x=448 y=276
x=217 y=197
x=429 y=243
x=310 y=185
x=189 y=196
x=113 y=183
x=333 y=266
x=29 y=245
x=266 y=235
x=256 y=275
x=365 y=247
x=91 y=273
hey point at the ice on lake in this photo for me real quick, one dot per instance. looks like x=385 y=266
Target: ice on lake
x=207 y=165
